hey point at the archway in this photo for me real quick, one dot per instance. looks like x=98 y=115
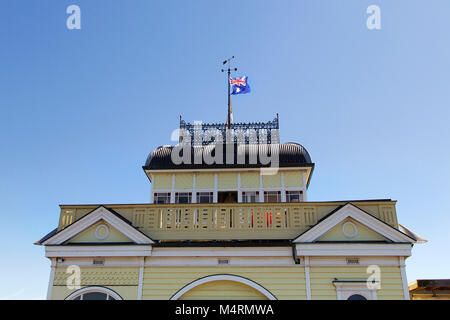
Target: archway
x=223 y=286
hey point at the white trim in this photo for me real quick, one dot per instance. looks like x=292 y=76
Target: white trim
x=151 y=189
x=307 y=279
x=104 y=290
x=172 y=190
x=239 y=200
x=261 y=188
x=355 y=230
x=98 y=214
x=141 y=278
x=346 y=289
x=212 y=261
x=161 y=259
x=194 y=188
x=216 y=183
x=359 y=215
x=96 y=233
x=307 y=168
x=52 y=278
x=223 y=252
x=283 y=188
x=404 y=279
x=220 y=277
x=329 y=261
x=98 y=251
x=353 y=249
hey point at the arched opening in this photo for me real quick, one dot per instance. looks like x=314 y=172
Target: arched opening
x=94 y=293
x=356 y=297
x=222 y=287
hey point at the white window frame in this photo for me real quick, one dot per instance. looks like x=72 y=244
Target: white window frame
x=267 y=191
x=210 y=194
x=155 y=196
x=244 y=195
x=345 y=289
x=177 y=197
x=82 y=291
x=300 y=195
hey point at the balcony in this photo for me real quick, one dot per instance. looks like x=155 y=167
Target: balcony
x=235 y=221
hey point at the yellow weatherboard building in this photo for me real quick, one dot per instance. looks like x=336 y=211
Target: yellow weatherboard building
x=228 y=218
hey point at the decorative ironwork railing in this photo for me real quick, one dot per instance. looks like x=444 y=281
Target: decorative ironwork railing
x=245 y=133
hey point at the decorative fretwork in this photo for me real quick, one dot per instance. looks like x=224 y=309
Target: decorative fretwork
x=309 y=214
x=243 y=133
x=100 y=275
x=67 y=218
x=387 y=214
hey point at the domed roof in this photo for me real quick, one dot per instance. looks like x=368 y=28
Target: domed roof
x=290 y=155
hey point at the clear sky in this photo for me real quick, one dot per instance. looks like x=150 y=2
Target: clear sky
x=81 y=109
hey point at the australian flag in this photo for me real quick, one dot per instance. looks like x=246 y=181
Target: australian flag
x=239 y=85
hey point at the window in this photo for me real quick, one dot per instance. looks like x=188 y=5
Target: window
x=183 y=197
x=294 y=196
x=227 y=197
x=250 y=196
x=204 y=197
x=355 y=290
x=272 y=196
x=161 y=197
x=356 y=297
x=94 y=293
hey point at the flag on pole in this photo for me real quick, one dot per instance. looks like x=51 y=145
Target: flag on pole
x=239 y=85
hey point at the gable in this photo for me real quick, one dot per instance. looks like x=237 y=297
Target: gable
x=351 y=230
x=100 y=232
x=370 y=226
x=84 y=228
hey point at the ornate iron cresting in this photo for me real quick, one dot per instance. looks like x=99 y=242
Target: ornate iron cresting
x=253 y=132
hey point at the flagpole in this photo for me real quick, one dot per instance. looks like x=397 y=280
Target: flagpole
x=229 y=98
x=229 y=93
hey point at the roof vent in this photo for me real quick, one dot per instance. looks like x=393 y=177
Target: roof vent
x=352 y=261
x=223 y=261
x=98 y=262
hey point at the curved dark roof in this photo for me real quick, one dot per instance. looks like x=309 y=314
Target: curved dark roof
x=290 y=155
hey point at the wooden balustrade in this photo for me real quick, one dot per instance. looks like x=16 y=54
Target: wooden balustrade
x=220 y=221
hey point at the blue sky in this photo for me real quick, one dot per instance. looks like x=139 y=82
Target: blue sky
x=81 y=109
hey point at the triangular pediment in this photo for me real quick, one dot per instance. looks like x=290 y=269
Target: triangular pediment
x=99 y=226
x=352 y=224
x=350 y=230
x=100 y=232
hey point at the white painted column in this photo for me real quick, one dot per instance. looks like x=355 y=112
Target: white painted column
x=239 y=188
x=261 y=192
x=215 y=196
x=307 y=279
x=141 y=278
x=194 y=189
x=283 y=188
x=404 y=279
x=172 y=193
x=152 y=196
x=305 y=197
x=52 y=278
